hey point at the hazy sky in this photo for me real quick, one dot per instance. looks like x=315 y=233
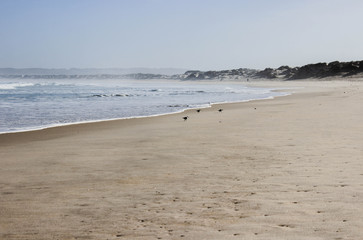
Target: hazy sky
x=192 y=34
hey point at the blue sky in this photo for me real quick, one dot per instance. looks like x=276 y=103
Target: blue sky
x=192 y=34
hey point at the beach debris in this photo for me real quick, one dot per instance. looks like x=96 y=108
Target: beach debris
x=220 y=110
x=185 y=118
x=198 y=110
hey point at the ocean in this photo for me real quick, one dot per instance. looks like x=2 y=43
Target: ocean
x=38 y=103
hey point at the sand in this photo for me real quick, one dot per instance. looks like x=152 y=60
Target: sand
x=288 y=168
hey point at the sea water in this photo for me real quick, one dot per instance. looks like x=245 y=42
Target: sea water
x=38 y=103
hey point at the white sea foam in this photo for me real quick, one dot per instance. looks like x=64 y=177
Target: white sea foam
x=13 y=85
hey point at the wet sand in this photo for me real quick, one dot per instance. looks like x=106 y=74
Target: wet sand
x=288 y=168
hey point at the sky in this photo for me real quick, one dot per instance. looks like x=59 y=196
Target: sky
x=188 y=34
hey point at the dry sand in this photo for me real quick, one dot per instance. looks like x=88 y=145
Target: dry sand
x=288 y=168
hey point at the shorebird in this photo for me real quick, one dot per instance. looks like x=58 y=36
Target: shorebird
x=220 y=110
x=198 y=110
x=185 y=118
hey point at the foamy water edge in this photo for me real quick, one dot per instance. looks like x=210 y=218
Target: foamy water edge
x=31 y=129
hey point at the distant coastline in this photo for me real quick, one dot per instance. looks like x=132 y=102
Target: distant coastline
x=353 y=69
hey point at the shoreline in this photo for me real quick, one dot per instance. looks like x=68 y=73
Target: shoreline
x=40 y=134
x=31 y=129
x=287 y=168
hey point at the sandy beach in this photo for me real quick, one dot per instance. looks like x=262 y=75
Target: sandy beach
x=287 y=168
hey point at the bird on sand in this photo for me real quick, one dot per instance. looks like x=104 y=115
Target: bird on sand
x=185 y=118
x=198 y=110
x=220 y=110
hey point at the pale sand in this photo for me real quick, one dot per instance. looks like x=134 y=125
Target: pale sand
x=290 y=169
